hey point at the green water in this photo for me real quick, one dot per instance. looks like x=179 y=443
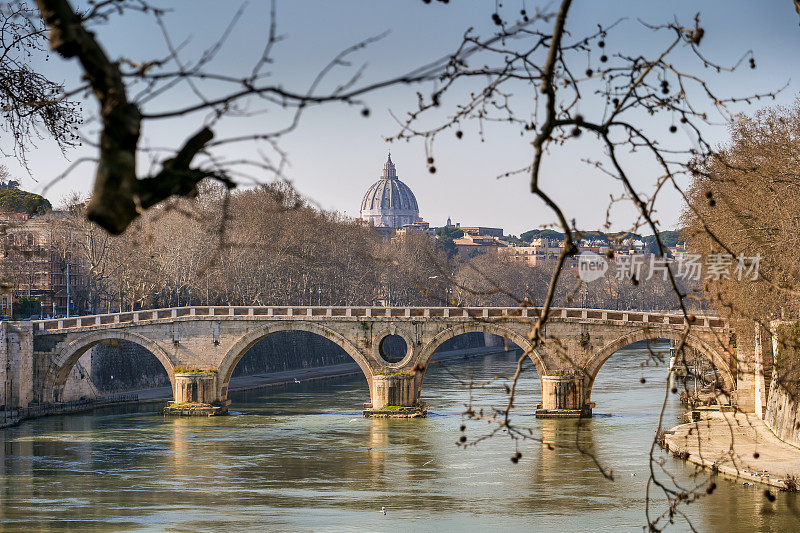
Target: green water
x=301 y=458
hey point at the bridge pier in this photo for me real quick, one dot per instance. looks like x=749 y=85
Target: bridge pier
x=564 y=396
x=196 y=394
x=17 y=366
x=395 y=396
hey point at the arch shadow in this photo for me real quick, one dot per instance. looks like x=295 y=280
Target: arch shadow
x=57 y=374
x=248 y=340
x=429 y=350
x=593 y=366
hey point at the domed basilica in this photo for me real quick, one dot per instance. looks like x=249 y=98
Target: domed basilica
x=389 y=203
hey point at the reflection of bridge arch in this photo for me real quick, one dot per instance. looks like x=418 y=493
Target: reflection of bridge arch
x=720 y=363
x=481 y=327
x=248 y=340
x=57 y=374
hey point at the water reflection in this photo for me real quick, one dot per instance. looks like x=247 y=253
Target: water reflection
x=301 y=457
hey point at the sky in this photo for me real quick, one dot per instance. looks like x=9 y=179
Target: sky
x=335 y=154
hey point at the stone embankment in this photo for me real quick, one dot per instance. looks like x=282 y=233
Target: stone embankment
x=783 y=414
x=11 y=418
x=737 y=446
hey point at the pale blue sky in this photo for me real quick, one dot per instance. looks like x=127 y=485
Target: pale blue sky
x=336 y=153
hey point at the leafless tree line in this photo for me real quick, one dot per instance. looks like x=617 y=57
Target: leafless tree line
x=278 y=249
x=496 y=280
x=263 y=246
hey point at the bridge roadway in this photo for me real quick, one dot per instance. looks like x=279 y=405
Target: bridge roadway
x=200 y=346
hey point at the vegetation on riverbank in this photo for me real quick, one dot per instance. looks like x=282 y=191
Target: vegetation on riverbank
x=192 y=370
x=742 y=204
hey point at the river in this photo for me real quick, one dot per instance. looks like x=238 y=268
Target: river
x=301 y=458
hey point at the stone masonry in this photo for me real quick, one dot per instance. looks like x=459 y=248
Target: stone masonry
x=194 y=343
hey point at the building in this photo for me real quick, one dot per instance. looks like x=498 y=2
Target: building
x=478 y=231
x=678 y=249
x=475 y=244
x=40 y=267
x=599 y=247
x=417 y=227
x=14 y=217
x=6 y=301
x=389 y=203
x=540 y=250
x=547 y=247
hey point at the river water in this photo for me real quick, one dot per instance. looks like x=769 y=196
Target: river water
x=300 y=458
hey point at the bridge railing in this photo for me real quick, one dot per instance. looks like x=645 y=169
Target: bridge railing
x=642 y=317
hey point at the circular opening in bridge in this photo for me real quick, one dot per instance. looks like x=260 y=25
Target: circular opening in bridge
x=393 y=348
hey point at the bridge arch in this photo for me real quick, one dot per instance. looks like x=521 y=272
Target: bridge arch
x=57 y=374
x=481 y=327
x=720 y=362
x=246 y=341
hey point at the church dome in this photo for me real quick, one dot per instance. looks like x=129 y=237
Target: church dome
x=389 y=202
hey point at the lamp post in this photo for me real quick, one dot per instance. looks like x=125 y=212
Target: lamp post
x=68 y=295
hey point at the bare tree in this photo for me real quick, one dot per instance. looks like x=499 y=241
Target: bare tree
x=578 y=86
x=120 y=191
x=33 y=107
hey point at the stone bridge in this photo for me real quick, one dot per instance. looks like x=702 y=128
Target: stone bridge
x=200 y=346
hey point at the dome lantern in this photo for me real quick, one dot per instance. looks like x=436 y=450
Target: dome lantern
x=389 y=170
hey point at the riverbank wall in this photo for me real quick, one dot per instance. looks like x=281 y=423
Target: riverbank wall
x=748 y=447
x=14 y=417
x=783 y=414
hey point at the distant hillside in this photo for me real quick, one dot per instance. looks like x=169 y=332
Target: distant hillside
x=528 y=236
x=669 y=238
x=17 y=201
